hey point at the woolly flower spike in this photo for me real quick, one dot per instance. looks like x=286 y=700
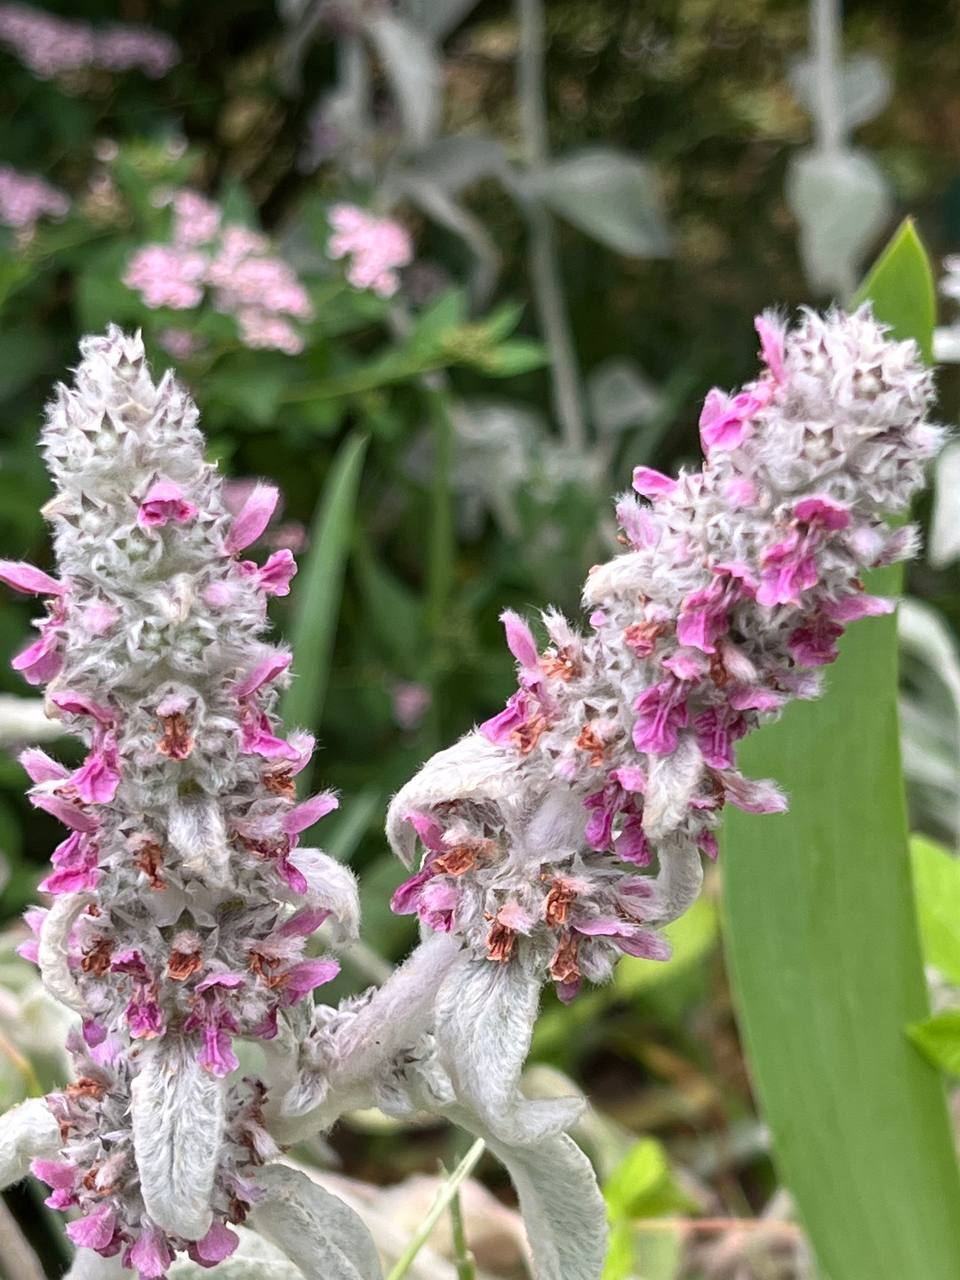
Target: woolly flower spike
x=617 y=750
x=183 y=903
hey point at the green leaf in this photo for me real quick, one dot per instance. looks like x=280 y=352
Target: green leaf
x=824 y=951
x=643 y=1185
x=517 y=355
x=318 y=588
x=938 y=1039
x=936 y=883
x=900 y=286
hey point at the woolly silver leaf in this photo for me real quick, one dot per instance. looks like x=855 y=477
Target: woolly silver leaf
x=26 y=1132
x=316 y=1230
x=178 y=1120
x=484 y=1022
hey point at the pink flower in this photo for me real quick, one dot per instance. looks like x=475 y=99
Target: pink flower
x=164 y=501
x=305 y=815
x=78 y=704
x=662 y=711
x=305 y=977
x=150 y=1255
x=24 y=199
x=376 y=248
x=275 y=575
x=219 y=1243
x=166 y=276
x=266 y=669
x=95 y=1230
x=253 y=517
x=724 y=419
x=96 y=781
x=772 y=333
x=24 y=577
x=652 y=484
x=42 y=660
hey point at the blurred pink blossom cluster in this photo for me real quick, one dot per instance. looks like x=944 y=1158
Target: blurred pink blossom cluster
x=25 y=198
x=244 y=279
x=49 y=45
x=375 y=246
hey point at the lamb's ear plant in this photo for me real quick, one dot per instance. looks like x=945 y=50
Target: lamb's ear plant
x=182 y=900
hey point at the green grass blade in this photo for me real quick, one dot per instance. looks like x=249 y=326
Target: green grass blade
x=319 y=586
x=823 y=949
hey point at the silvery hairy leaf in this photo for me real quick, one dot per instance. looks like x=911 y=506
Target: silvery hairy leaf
x=610 y=195
x=178 y=1118
x=944 y=545
x=436 y=17
x=27 y=1131
x=88 y=1265
x=841 y=201
x=317 y=1231
x=561 y=1205
x=621 y=395
x=484 y=1022
x=454 y=163
x=52 y=949
x=866 y=87
x=412 y=68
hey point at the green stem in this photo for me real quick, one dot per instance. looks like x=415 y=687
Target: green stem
x=444 y=1198
x=463 y=1259
x=368 y=378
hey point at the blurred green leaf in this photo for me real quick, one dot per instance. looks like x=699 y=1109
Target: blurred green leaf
x=936 y=882
x=823 y=946
x=900 y=286
x=516 y=355
x=643 y=1185
x=938 y=1039
x=320 y=585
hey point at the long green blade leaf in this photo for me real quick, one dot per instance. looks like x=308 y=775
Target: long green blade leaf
x=319 y=587
x=823 y=947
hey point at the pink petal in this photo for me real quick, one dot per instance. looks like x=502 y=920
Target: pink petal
x=64 y=811
x=276 y=573
x=311 y=811
x=79 y=704
x=652 y=484
x=95 y=1231
x=306 y=977
x=97 y=779
x=253 y=517
x=40 y=767
x=520 y=639
x=25 y=577
x=40 y=661
x=852 y=608
x=266 y=669
x=219 y=1243
x=164 y=501
x=822 y=511
x=151 y=1255
x=770 y=330
x=99 y=618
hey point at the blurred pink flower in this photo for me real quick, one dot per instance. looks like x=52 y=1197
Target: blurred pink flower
x=375 y=246
x=24 y=199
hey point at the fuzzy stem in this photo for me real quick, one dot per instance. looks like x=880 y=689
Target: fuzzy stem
x=825 y=39
x=544 y=265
